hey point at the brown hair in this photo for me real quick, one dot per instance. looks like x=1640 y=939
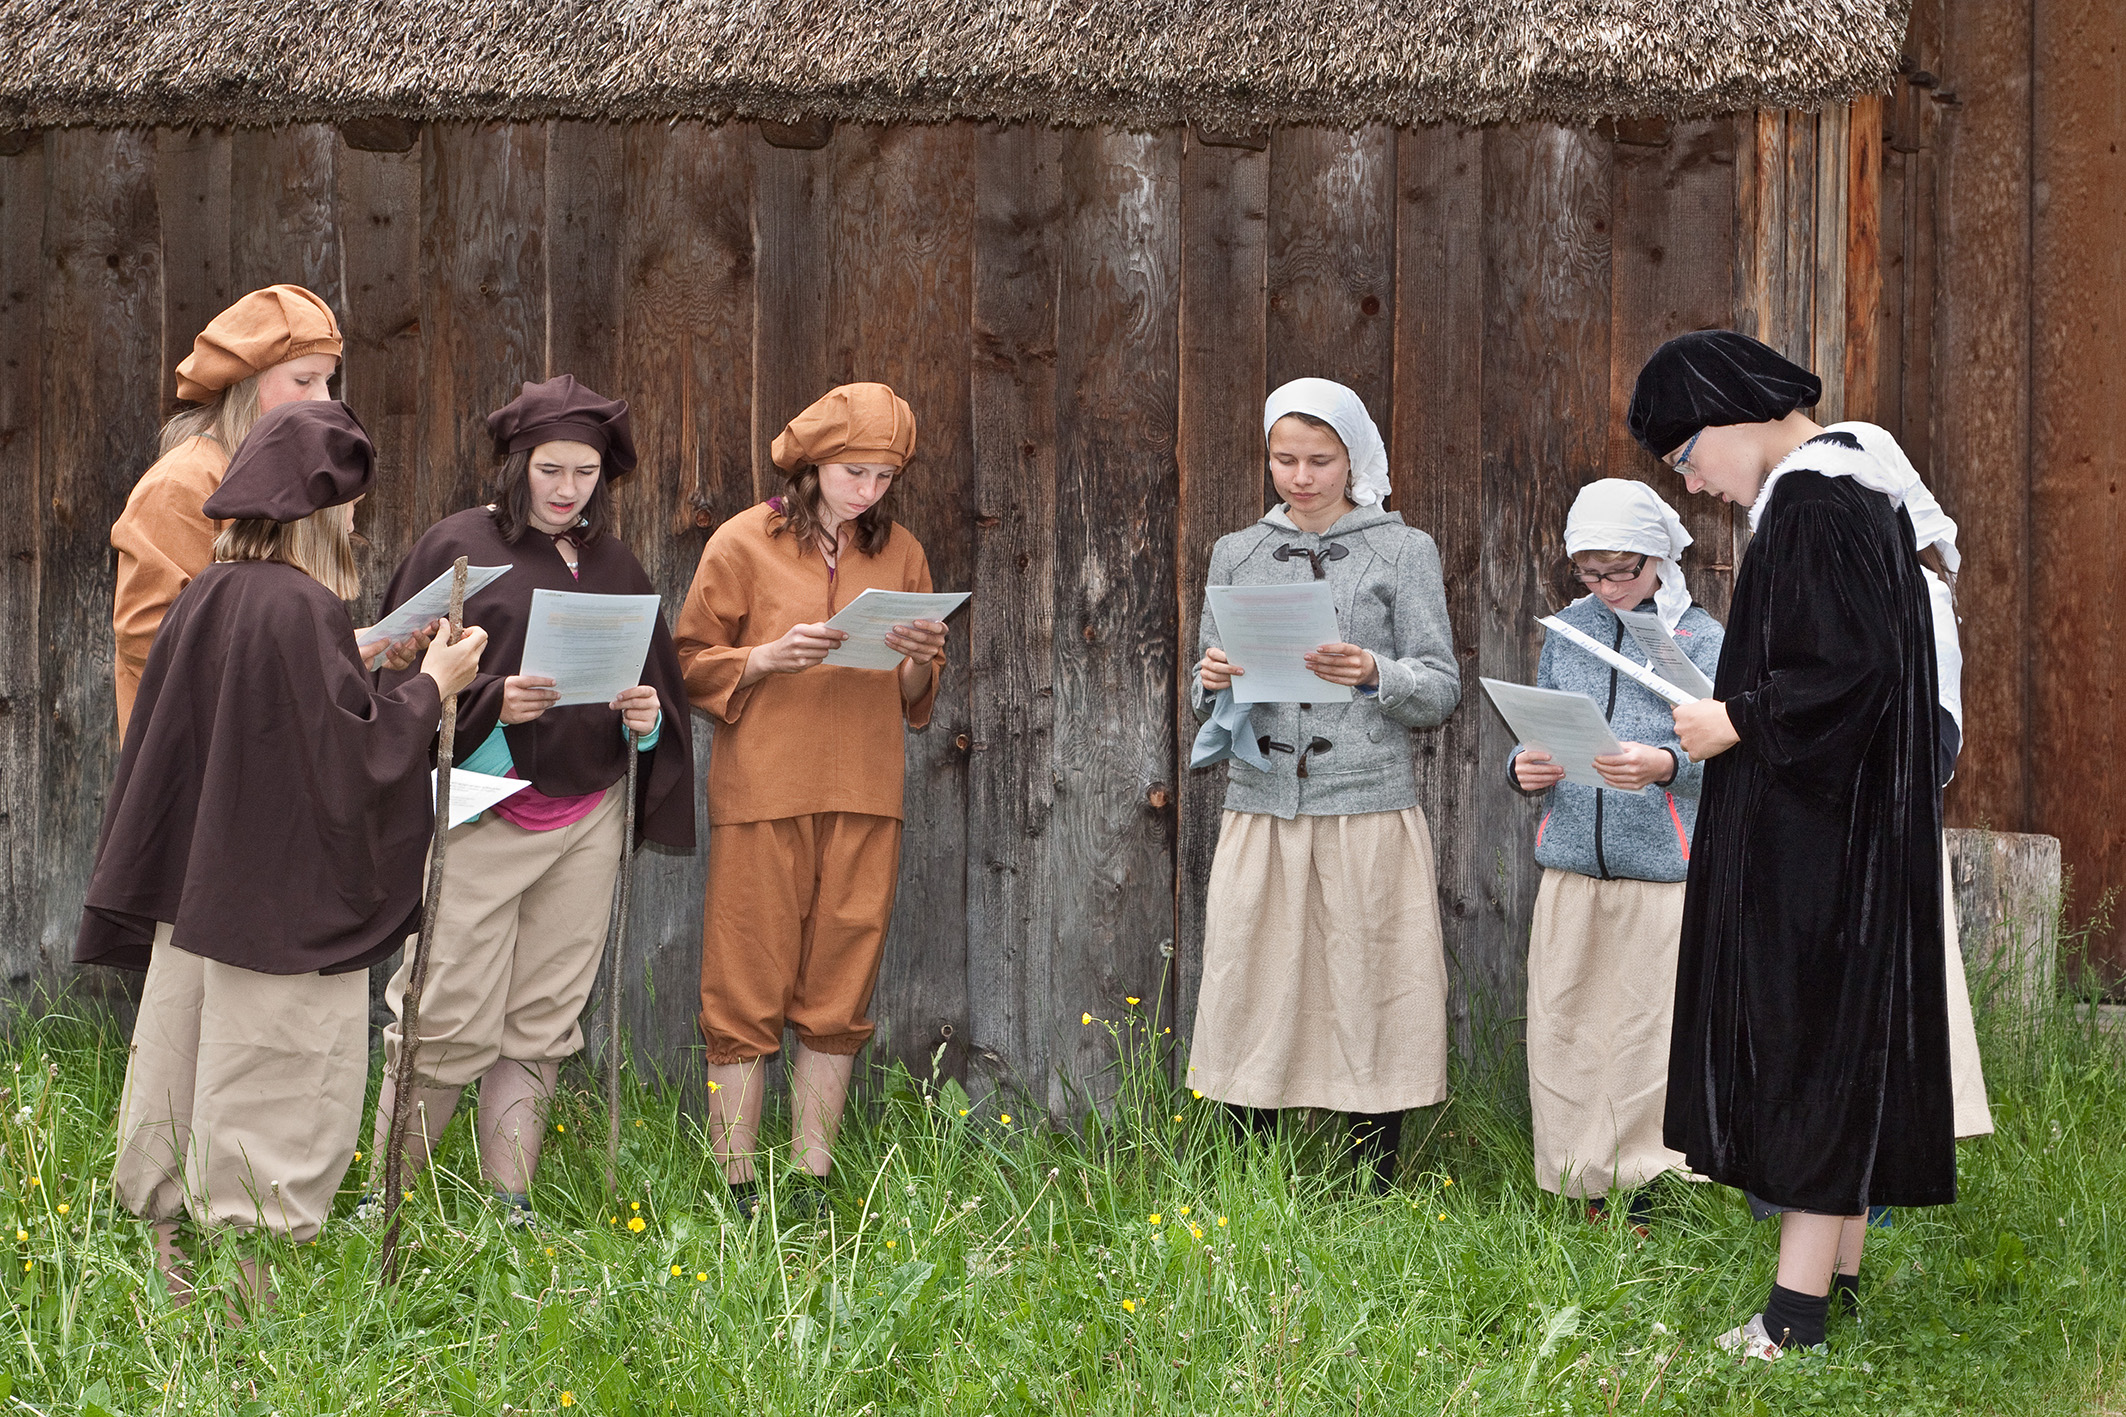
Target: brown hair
x=1930 y=556
x=799 y=506
x=513 y=500
x=320 y=545
x=226 y=418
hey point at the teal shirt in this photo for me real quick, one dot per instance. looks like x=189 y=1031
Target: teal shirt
x=492 y=756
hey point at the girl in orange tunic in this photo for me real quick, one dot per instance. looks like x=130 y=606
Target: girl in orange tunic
x=805 y=773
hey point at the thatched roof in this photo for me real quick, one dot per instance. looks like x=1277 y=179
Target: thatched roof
x=1219 y=64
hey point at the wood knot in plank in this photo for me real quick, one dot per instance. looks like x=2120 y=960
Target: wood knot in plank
x=1156 y=795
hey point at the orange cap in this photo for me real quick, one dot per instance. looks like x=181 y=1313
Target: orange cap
x=265 y=328
x=862 y=423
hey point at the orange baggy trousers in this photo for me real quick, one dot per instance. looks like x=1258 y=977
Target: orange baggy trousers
x=793 y=932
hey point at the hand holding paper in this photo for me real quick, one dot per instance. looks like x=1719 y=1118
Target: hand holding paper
x=1269 y=631
x=1568 y=726
x=425 y=606
x=591 y=646
x=870 y=618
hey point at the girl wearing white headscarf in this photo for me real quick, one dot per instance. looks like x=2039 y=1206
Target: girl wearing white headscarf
x=1602 y=946
x=1324 y=980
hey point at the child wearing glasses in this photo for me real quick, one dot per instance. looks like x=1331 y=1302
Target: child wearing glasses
x=1602 y=947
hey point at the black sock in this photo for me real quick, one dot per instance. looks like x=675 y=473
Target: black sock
x=1845 y=1288
x=1795 y=1320
x=1379 y=1136
x=1640 y=1211
x=1251 y=1123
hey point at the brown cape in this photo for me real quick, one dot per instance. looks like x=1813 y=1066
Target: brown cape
x=270 y=803
x=565 y=752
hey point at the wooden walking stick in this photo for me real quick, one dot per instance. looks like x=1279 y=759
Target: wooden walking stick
x=417 y=976
x=616 y=956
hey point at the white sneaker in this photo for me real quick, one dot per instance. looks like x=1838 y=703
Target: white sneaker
x=1750 y=1340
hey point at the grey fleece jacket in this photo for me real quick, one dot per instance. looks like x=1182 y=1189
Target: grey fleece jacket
x=1390 y=600
x=1601 y=831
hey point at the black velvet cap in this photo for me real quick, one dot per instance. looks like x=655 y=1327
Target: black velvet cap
x=560 y=409
x=298 y=459
x=1711 y=378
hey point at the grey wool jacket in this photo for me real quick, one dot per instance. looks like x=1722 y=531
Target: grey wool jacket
x=1390 y=600
x=1600 y=831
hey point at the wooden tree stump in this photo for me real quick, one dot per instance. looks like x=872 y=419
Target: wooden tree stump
x=2007 y=887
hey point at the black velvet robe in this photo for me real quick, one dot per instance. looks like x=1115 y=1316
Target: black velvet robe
x=564 y=752
x=270 y=803
x=1810 y=1059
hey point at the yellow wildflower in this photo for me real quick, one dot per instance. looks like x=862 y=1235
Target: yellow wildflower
x=963 y=1111
x=716 y=1087
x=892 y=1244
x=634 y=1205
x=21 y=1234
x=1197 y=1093
x=701 y=1276
x=1177 y=1116
x=1133 y=1001
x=1221 y=1222
x=64 y=1209
x=559 y=1127
x=358 y=1156
x=549 y=1251
x=1085 y=1018
x=1450 y=1180
x=1195 y=1232
x=1153 y=1217
x=637 y=1224
x=1129 y=1306
x=638 y=1121
x=1005 y=1118
x=675 y=1271
x=1443 y=1215
x=1183 y=1211
x=568 y=1399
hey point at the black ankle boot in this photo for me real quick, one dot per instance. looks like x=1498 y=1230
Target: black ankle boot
x=1378 y=1137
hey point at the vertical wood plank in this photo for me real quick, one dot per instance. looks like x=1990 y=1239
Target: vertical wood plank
x=2078 y=314
x=1794 y=319
x=1673 y=272
x=1827 y=308
x=1436 y=447
x=662 y=226
x=98 y=416
x=1011 y=886
x=1983 y=466
x=379 y=200
x=21 y=525
x=192 y=192
x=1332 y=259
x=1863 y=257
x=483 y=298
x=1111 y=831
x=1910 y=158
x=903 y=258
x=1546 y=407
x=588 y=187
x=1223 y=379
x=1760 y=193
x=283 y=218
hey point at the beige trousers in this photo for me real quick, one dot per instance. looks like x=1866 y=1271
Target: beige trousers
x=1601 y=998
x=519 y=933
x=1324 y=977
x=243 y=1094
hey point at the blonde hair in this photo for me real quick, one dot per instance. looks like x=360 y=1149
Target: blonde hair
x=226 y=418
x=320 y=545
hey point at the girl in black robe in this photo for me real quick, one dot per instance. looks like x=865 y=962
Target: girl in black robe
x=1809 y=1064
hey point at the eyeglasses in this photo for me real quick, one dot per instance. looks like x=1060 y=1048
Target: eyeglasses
x=1682 y=462
x=1587 y=577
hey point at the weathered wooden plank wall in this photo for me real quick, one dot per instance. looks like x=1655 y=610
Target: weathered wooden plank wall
x=1086 y=323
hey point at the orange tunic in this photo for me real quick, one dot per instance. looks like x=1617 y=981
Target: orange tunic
x=163 y=540
x=826 y=739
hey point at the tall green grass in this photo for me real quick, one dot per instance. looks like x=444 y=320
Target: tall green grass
x=972 y=1262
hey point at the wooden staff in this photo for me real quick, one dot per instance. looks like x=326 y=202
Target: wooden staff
x=616 y=956
x=417 y=977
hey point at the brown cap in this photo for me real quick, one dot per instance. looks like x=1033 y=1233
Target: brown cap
x=861 y=423
x=562 y=410
x=265 y=328
x=299 y=458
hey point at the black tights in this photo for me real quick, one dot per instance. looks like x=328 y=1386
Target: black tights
x=1377 y=1136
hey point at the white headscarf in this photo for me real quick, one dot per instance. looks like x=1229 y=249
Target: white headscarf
x=1344 y=411
x=1617 y=514
x=1882 y=465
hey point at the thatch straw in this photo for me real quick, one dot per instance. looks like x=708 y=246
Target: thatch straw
x=1219 y=64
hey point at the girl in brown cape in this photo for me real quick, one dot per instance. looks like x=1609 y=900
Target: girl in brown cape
x=262 y=846
x=805 y=779
x=277 y=345
x=524 y=914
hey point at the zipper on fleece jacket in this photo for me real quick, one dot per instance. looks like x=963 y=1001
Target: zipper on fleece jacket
x=1602 y=860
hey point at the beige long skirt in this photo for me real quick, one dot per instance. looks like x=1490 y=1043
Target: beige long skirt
x=1601 y=999
x=1967 y=1075
x=1324 y=981
x=242 y=1095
